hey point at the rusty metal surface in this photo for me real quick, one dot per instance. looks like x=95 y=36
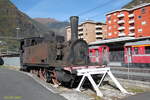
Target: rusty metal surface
x=37 y=54
x=48 y=50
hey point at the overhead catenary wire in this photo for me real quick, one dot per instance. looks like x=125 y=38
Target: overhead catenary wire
x=90 y=10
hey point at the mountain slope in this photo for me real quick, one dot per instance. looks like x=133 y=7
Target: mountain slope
x=57 y=26
x=11 y=18
x=135 y=3
x=45 y=20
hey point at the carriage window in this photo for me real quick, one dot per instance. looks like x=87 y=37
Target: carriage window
x=90 y=54
x=96 y=53
x=136 y=50
x=147 y=50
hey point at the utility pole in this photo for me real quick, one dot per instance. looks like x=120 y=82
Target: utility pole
x=17 y=28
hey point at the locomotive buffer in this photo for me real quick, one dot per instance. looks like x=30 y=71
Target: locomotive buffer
x=93 y=71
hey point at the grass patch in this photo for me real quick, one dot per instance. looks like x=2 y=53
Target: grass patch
x=95 y=97
x=9 y=67
x=4 y=66
x=98 y=98
x=135 y=90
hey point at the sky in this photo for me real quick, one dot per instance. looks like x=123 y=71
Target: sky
x=63 y=9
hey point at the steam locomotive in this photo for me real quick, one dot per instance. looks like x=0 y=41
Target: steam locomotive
x=54 y=60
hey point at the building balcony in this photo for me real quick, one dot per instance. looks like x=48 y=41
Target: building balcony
x=98 y=31
x=98 y=26
x=99 y=36
x=131 y=21
x=80 y=33
x=131 y=15
x=131 y=34
x=131 y=28
x=121 y=34
x=120 y=15
x=121 y=22
x=121 y=28
x=80 y=37
x=80 y=27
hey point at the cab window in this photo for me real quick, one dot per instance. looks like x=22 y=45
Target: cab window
x=147 y=50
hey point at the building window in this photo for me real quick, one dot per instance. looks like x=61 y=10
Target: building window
x=115 y=14
x=99 y=28
x=109 y=22
x=109 y=18
x=99 y=33
x=147 y=50
x=143 y=10
x=115 y=32
x=143 y=23
x=139 y=17
x=109 y=27
x=115 y=20
x=115 y=26
x=99 y=38
x=80 y=29
x=109 y=34
x=140 y=30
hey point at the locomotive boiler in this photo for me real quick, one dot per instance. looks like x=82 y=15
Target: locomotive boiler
x=52 y=59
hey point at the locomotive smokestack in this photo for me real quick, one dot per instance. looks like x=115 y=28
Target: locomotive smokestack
x=74 y=27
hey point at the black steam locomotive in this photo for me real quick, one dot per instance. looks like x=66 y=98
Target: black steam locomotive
x=53 y=59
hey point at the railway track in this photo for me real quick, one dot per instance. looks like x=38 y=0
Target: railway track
x=141 y=74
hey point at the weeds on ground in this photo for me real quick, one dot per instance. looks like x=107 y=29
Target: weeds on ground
x=135 y=90
x=9 y=67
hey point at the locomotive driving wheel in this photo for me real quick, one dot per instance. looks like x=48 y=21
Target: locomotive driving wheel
x=42 y=74
x=54 y=78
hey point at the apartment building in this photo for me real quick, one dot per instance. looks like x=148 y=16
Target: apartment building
x=133 y=22
x=90 y=31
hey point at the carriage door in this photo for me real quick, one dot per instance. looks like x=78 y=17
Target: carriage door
x=97 y=55
x=129 y=55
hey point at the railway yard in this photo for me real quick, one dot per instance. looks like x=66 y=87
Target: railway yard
x=134 y=85
x=78 y=58
x=141 y=74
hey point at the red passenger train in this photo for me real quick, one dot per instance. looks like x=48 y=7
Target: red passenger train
x=136 y=54
x=99 y=54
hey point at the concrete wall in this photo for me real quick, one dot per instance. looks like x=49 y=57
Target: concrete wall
x=11 y=61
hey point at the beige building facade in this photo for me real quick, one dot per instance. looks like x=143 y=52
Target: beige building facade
x=89 y=31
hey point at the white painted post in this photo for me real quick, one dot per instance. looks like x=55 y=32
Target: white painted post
x=80 y=84
x=104 y=71
x=116 y=82
x=98 y=92
x=102 y=78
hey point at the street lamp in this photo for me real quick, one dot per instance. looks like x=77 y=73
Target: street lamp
x=17 y=28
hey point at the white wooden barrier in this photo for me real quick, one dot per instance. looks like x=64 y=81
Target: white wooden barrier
x=92 y=71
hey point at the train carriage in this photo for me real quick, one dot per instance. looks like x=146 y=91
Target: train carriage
x=99 y=54
x=137 y=53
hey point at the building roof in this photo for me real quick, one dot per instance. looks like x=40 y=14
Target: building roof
x=87 y=21
x=91 y=21
x=67 y=27
x=145 y=42
x=121 y=39
x=111 y=40
x=136 y=7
